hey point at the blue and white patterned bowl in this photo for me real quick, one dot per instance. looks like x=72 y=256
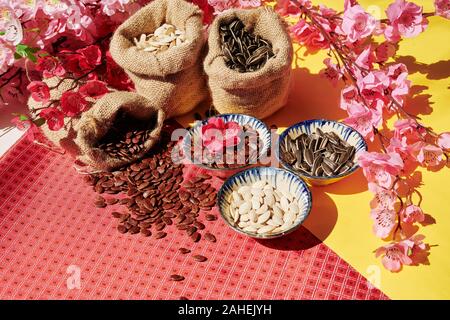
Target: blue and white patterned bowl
x=345 y=132
x=241 y=119
x=281 y=179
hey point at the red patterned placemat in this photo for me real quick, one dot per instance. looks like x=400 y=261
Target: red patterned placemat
x=50 y=232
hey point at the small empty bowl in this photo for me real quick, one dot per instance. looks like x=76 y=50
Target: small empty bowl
x=346 y=133
x=280 y=179
x=255 y=124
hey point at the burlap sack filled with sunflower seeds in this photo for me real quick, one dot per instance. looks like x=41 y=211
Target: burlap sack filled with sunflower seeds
x=65 y=136
x=172 y=79
x=100 y=120
x=257 y=93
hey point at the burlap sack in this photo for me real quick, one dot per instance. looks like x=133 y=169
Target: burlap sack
x=259 y=93
x=65 y=136
x=173 y=78
x=96 y=122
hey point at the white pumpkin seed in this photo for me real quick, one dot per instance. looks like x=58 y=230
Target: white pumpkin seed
x=265 y=229
x=244 y=189
x=294 y=208
x=284 y=202
x=243 y=224
x=264 y=217
x=272 y=222
x=253 y=216
x=244 y=218
x=255 y=203
x=236 y=196
x=250 y=229
x=289 y=218
x=262 y=209
x=244 y=208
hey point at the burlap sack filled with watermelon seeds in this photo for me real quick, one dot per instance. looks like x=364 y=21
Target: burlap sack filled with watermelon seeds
x=172 y=79
x=258 y=93
x=95 y=123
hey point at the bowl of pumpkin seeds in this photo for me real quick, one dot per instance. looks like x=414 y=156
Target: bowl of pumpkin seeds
x=320 y=151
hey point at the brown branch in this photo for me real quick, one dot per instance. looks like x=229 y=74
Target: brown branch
x=18 y=71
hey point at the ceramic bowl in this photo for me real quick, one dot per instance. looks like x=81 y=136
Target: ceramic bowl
x=281 y=179
x=263 y=131
x=346 y=133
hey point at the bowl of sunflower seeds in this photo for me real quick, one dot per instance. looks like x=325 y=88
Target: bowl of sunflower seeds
x=320 y=151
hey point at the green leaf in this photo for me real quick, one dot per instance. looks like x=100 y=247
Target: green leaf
x=2 y=33
x=22 y=117
x=32 y=57
x=39 y=122
x=22 y=50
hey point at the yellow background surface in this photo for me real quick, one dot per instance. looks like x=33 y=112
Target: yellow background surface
x=340 y=215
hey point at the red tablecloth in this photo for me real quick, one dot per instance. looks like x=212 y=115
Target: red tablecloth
x=50 y=231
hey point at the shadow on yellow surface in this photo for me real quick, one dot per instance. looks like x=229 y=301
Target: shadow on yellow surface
x=311 y=97
x=435 y=71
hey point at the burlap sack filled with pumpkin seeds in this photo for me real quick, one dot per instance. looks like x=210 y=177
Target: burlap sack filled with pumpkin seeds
x=100 y=121
x=257 y=93
x=65 y=136
x=172 y=79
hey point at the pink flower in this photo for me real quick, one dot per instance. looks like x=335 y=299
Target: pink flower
x=363 y=119
x=397 y=70
x=249 y=3
x=405 y=20
x=365 y=59
x=27 y=9
x=6 y=58
x=39 y=91
x=309 y=36
x=428 y=155
x=399 y=86
x=288 y=8
x=83 y=60
x=92 y=54
x=93 y=89
x=394 y=256
x=402 y=148
x=50 y=67
x=217 y=134
x=442 y=8
x=110 y=7
x=412 y=214
x=417 y=249
x=383 y=199
x=444 y=141
x=357 y=24
x=331 y=72
x=409 y=129
x=13 y=32
x=23 y=123
x=222 y=5
x=348 y=95
x=380 y=168
x=373 y=87
x=73 y=103
x=54 y=9
x=384 y=221
x=349 y=3
x=384 y=51
x=53 y=117
x=54 y=28
x=79 y=21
